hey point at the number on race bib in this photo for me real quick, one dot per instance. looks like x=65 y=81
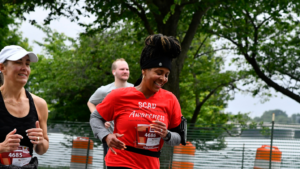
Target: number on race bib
x=150 y=135
x=12 y=155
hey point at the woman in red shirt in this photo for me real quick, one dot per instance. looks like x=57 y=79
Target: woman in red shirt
x=146 y=115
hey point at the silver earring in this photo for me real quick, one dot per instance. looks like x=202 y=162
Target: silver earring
x=143 y=76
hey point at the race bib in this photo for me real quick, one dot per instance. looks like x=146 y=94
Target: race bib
x=146 y=137
x=19 y=157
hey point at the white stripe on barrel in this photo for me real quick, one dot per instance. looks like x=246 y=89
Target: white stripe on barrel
x=184 y=156
x=81 y=147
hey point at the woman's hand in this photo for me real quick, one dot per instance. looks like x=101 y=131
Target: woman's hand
x=160 y=128
x=113 y=142
x=11 y=142
x=35 y=134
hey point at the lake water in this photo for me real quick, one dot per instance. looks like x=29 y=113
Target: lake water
x=233 y=156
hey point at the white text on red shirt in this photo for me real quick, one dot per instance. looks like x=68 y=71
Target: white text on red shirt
x=149 y=115
x=147 y=105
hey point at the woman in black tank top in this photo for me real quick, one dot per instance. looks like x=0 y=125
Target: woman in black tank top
x=23 y=115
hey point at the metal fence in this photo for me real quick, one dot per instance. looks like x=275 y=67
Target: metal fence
x=211 y=146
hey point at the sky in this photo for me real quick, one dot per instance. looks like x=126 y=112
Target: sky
x=242 y=103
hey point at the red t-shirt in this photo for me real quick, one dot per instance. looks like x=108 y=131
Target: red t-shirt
x=133 y=114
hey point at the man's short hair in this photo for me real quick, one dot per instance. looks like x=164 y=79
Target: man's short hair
x=114 y=65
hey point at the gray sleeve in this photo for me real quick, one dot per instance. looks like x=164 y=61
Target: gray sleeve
x=97 y=126
x=112 y=127
x=98 y=96
x=174 y=140
x=129 y=85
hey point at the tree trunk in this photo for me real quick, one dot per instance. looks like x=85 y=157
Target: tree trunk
x=177 y=64
x=173 y=80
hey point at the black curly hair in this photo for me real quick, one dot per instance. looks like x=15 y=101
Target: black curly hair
x=159 y=51
x=160 y=46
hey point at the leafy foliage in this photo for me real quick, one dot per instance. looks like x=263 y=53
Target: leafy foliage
x=9 y=29
x=66 y=76
x=265 y=33
x=147 y=17
x=202 y=85
x=175 y=18
x=280 y=117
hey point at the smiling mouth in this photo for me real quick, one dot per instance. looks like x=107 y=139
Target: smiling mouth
x=159 y=85
x=22 y=75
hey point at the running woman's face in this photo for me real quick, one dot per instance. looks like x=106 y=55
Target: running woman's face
x=122 y=70
x=155 y=78
x=17 y=71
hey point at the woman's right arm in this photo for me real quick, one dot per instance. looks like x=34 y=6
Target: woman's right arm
x=99 y=130
x=11 y=142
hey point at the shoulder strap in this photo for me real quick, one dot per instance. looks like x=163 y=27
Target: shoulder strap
x=1 y=98
x=31 y=103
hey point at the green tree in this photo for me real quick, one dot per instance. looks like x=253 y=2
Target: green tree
x=295 y=118
x=66 y=76
x=169 y=17
x=175 y=18
x=280 y=117
x=266 y=35
x=264 y=32
x=204 y=88
x=9 y=28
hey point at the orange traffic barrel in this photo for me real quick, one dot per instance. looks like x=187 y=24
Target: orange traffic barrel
x=262 y=158
x=82 y=153
x=183 y=156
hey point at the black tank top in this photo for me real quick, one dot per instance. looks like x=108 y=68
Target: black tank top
x=8 y=122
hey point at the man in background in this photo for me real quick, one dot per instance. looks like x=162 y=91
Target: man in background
x=120 y=71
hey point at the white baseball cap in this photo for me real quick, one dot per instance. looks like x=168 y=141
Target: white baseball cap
x=14 y=52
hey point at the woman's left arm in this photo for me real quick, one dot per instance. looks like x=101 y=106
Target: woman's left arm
x=38 y=135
